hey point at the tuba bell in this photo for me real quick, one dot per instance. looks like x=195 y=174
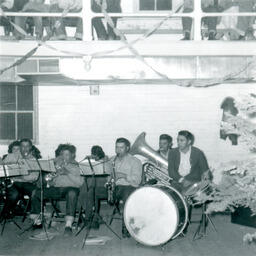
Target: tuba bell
x=152 y=169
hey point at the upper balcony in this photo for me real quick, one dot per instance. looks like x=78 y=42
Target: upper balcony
x=193 y=35
x=161 y=20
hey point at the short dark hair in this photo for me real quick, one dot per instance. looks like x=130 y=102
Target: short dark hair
x=26 y=140
x=98 y=151
x=58 y=150
x=125 y=141
x=166 y=137
x=15 y=143
x=188 y=135
x=36 y=152
x=71 y=148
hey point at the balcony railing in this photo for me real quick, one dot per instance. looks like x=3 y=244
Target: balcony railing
x=87 y=15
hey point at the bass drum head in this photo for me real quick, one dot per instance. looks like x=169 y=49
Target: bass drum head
x=151 y=216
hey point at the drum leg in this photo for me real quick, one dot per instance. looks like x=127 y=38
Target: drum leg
x=201 y=230
x=211 y=222
x=115 y=211
x=163 y=247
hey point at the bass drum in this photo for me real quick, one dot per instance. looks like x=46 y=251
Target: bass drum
x=155 y=214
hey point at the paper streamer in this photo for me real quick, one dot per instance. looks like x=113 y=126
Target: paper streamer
x=127 y=45
x=22 y=31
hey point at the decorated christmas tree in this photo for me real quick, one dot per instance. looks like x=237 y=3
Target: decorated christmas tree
x=237 y=187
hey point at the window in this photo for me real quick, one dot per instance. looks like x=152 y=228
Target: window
x=155 y=5
x=17 y=111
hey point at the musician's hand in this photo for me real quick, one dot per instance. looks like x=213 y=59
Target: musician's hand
x=185 y=183
x=51 y=183
x=151 y=182
x=58 y=161
x=63 y=171
x=206 y=176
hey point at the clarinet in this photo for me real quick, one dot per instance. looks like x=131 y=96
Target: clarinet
x=112 y=184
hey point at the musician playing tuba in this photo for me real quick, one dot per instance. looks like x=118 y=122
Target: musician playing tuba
x=65 y=184
x=165 y=145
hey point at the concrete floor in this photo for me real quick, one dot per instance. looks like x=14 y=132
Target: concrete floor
x=228 y=241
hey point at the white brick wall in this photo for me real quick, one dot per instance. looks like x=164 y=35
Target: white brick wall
x=71 y=114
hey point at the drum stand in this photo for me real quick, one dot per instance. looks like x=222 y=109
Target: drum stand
x=41 y=215
x=94 y=214
x=4 y=217
x=201 y=229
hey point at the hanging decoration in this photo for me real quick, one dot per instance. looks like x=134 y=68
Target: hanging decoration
x=128 y=45
x=238 y=184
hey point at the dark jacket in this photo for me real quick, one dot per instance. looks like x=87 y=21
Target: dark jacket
x=112 y=6
x=198 y=163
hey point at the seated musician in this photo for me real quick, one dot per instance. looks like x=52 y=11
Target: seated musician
x=23 y=185
x=165 y=144
x=101 y=164
x=127 y=173
x=187 y=164
x=65 y=183
x=14 y=148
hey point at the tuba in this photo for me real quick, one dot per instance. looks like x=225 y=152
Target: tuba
x=151 y=169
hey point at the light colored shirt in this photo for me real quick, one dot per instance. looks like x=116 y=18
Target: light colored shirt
x=65 y=4
x=132 y=167
x=7 y=4
x=165 y=156
x=185 y=165
x=72 y=178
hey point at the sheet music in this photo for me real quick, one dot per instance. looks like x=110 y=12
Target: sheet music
x=13 y=170
x=46 y=165
x=97 y=166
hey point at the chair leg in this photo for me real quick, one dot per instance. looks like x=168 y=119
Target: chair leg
x=26 y=210
x=2 y=231
x=50 y=222
x=56 y=210
x=79 y=217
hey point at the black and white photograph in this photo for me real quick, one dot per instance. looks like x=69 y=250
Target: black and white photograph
x=128 y=127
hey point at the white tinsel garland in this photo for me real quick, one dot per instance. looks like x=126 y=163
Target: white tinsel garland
x=238 y=184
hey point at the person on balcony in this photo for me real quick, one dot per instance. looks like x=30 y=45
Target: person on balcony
x=209 y=22
x=243 y=28
x=113 y=6
x=25 y=22
x=10 y=6
x=35 y=6
x=59 y=31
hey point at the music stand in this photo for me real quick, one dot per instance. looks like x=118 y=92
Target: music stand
x=41 y=215
x=94 y=213
x=4 y=213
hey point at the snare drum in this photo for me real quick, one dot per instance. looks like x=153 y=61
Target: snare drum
x=197 y=189
x=155 y=214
